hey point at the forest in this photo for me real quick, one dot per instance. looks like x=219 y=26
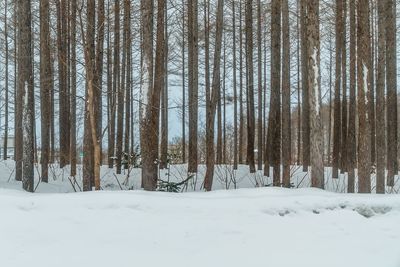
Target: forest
x=199 y=133
x=277 y=86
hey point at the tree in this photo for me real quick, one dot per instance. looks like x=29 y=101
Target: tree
x=363 y=66
x=45 y=85
x=343 y=124
x=380 y=101
x=164 y=100
x=286 y=120
x=317 y=144
x=241 y=111
x=216 y=83
x=73 y=88
x=5 y=145
x=250 y=86
x=89 y=53
x=193 y=59
x=128 y=105
x=62 y=39
x=260 y=91
x=304 y=86
x=351 y=133
x=25 y=91
x=338 y=74
x=391 y=85
x=90 y=113
x=274 y=126
x=120 y=83
x=183 y=85
x=235 y=102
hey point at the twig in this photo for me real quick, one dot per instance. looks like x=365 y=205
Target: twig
x=116 y=178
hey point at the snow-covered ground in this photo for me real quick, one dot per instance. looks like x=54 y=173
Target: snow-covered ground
x=224 y=178
x=246 y=227
x=250 y=226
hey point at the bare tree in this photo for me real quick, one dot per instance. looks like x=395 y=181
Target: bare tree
x=193 y=82
x=351 y=134
x=391 y=85
x=45 y=86
x=380 y=101
x=216 y=83
x=286 y=118
x=317 y=144
x=363 y=66
x=25 y=91
x=250 y=86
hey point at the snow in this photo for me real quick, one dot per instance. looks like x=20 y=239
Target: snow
x=145 y=89
x=246 y=227
x=262 y=226
x=365 y=86
x=316 y=79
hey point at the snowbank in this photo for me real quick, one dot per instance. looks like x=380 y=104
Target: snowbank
x=246 y=227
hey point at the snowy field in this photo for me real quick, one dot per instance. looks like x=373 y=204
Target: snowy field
x=247 y=227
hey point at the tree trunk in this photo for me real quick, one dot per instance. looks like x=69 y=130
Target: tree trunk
x=164 y=101
x=88 y=148
x=260 y=91
x=128 y=84
x=121 y=85
x=250 y=86
x=391 y=85
x=5 y=144
x=216 y=83
x=380 y=102
x=338 y=79
x=275 y=110
x=286 y=111
x=183 y=85
x=317 y=137
x=304 y=85
x=351 y=134
x=63 y=85
x=363 y=66
x=235 y=102
x=193 y=83
x=343 y=134
x=26 y=91
x=149 y=132
x=241 y=113
x=73 y=89
x=18 y=104
x=45 y=86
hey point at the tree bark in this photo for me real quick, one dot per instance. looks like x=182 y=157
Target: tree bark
x=216 y=83
x=286 y=111
x=304 y=85
x=380 y=102
x=235 y=98
x=363 y=66
x=150 y=107
x=317 y=137
x=250 y=86
x=260 y=91
x=193 y=83
x=351 y=138
x=338 y=79
x=73 y=89
x=45 y=86
x=391 y=85
x=26 y=91
x=5 y=143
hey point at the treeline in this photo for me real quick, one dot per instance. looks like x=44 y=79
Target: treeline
x=121 y=61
